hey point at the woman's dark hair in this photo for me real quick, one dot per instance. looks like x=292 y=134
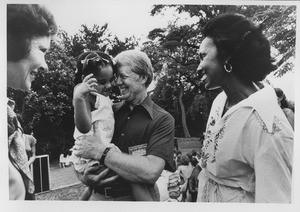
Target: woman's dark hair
x=24 y=22
x=90 y=62
x=243 y=44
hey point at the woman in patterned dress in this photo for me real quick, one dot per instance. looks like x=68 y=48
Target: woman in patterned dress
x=247 y=151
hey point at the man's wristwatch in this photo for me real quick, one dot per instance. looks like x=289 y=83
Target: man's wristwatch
x=104 y=155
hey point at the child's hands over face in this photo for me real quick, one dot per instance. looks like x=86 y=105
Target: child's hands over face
x=87 y=86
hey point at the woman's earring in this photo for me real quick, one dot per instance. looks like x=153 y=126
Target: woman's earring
x=228 y=67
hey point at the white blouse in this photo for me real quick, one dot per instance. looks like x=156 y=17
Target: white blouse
x=103 y=114
x=247 y=152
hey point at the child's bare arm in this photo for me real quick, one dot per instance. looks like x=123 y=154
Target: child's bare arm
x=82 y=117
x=81 y=103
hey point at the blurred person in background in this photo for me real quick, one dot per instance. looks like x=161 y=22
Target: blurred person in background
x=285 y=105
x=185 y=170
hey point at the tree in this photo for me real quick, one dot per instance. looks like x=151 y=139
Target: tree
x=174 y=50
x=280 y=29
x=279 y=22
x=97 y=39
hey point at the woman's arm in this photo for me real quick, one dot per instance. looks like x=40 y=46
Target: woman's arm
x=273 y=171
x=269 y=151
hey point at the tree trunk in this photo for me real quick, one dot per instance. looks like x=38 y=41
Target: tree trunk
x=186 y=132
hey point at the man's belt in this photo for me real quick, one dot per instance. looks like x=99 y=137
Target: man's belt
x=113 y=191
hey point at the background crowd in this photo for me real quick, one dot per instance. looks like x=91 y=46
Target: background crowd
x=181 y=185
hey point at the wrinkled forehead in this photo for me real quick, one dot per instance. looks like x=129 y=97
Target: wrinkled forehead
x=125 y=70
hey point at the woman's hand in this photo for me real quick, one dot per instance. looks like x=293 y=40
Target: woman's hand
x=87 y=86
x=31 y=160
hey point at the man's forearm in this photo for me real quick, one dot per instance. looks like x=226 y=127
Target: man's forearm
x=140 y=169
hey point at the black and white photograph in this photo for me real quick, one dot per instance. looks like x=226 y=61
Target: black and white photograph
x=171 y=104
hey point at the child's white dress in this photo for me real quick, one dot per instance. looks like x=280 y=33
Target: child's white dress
x=103 y=114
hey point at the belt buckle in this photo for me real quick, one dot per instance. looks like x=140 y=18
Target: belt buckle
x=105 y=192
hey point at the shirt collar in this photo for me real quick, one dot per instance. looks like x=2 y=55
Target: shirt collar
x=147 y=104
x=260 y=102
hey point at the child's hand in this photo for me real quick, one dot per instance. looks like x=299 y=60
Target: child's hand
x=87 y=86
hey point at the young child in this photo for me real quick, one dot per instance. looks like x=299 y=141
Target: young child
x=96 y=71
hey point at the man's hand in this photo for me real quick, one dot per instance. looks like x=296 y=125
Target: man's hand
x=96 y=176
x=90 y=147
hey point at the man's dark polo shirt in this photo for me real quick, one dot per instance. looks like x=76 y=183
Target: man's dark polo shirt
x=146 y=130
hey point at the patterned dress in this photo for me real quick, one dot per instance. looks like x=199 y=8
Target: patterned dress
x=18 y=157
x=247 y=152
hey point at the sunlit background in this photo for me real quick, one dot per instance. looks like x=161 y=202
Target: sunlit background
x=131 y=18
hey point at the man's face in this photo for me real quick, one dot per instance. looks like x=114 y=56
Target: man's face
x=131 y=85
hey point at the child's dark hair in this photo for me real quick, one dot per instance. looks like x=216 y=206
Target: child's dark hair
x=90 y=62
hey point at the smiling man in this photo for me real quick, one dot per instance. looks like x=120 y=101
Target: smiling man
x=144 y=132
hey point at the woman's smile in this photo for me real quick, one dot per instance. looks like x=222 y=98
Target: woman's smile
x=203 y=78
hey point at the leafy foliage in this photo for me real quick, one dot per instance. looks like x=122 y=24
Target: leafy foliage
x=173 y=51
x=280 y=24
x=97 y=39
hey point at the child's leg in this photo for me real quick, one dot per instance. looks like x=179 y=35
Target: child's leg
x=86 y=194
x=141 y=192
